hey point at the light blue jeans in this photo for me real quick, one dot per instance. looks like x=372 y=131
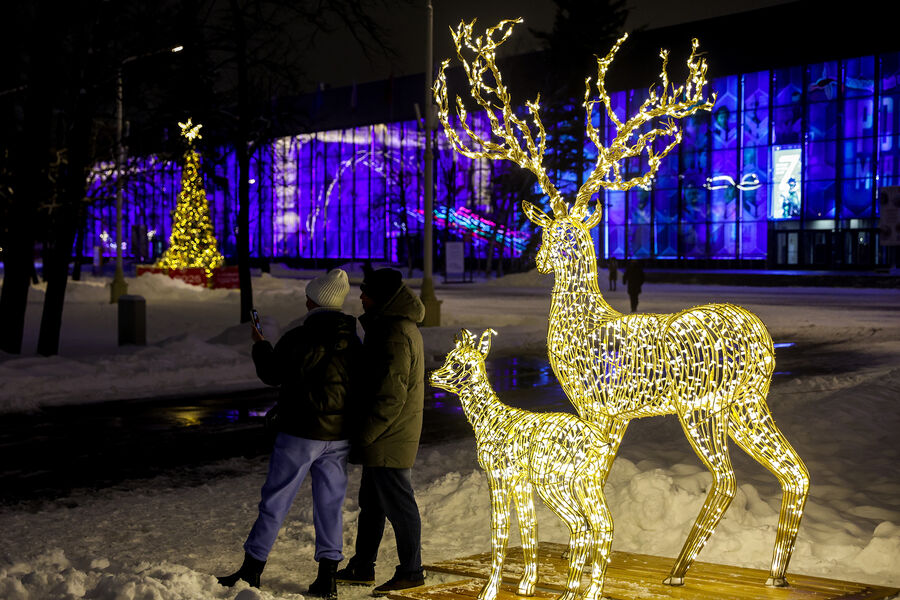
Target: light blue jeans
x=292 y=458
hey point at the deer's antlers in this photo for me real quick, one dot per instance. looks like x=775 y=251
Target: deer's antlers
x=666 y=102
x=517 y=142
x=512 y=138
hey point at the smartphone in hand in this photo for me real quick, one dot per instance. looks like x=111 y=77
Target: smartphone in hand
x=254 y=317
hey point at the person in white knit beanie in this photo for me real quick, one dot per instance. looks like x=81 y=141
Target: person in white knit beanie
x=313 y=365
x=329 y=290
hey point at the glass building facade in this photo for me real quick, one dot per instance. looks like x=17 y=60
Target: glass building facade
x=783 y=172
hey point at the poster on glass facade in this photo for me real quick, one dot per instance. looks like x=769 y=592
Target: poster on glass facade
x=786 y=171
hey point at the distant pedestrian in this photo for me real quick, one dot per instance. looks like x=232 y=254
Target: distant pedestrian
x=312 y=364
x=634 y=278
x=613 y=267
x=391 y=412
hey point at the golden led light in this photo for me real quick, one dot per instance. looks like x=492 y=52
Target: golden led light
x=559 y=455
x=711 y=365
x=192 y=243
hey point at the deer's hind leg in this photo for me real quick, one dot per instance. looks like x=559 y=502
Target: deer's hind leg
x=524 y=499
x=561 y=498
x=593 y=503
x=708 y=433
x=753 y=429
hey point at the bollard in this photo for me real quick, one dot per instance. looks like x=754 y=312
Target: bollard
x=132 y=320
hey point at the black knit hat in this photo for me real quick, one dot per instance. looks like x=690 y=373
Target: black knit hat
x=382 y=284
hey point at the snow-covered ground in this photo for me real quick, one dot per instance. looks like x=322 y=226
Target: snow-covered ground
x=165 y=539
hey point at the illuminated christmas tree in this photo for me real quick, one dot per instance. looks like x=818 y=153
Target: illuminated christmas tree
x=192 y=243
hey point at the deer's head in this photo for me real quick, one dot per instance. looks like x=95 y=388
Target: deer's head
x=565 y=237
x=464 y=363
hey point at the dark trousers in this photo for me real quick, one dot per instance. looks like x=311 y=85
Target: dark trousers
x=634 y=300
x=386 y=493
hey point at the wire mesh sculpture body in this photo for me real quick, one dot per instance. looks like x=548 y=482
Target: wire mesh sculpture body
x=557 y=454
x=711 y=365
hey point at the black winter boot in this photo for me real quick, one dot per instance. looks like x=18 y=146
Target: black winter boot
x=249 y=572
x=324 y=586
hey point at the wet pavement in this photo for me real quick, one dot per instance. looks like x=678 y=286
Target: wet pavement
x=46 y=454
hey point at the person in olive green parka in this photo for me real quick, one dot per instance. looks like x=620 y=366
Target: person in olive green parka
x=390 y=424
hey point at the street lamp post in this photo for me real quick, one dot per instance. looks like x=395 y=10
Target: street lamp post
x=429 y=299
x=119 y=287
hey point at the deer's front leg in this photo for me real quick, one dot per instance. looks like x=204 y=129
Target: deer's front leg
x=499 y=531
x=524 y=498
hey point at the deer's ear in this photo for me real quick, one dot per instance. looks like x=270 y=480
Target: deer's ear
x=595 y=217
x=484 y=345
x=536 y=215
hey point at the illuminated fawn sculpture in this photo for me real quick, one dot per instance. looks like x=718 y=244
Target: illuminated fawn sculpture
x=711 y=365
x=559 y=455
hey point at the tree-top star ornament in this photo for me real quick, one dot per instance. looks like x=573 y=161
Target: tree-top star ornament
x=192 y=243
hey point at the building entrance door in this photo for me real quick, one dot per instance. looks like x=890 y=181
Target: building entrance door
x=788 y=243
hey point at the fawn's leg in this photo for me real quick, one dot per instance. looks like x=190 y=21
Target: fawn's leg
x=499 y=532
x=614 y=431
x=562 y=499
x=524 y=499
x=754 y=430
x=707 y=432
x=593 y=502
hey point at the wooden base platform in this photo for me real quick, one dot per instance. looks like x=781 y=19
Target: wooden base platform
x=639 y=576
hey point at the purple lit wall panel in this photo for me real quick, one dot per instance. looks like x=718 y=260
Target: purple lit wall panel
x=665 y=203
x=753 y=239
x=756 y=90
x=859 y=76
x=667 y=241
x=890 y=72
x=639 y=206
x=722 y=204
x=857 y=199
x=616 y=241
x=889 y=160
x=823 y=81
x=615 y=211
x=819 y=200
x=640 y=241
x=858 y=158
x=786 y=121
x=693 y=240
x=859 y=117
x=722 y=238
x=788 y=86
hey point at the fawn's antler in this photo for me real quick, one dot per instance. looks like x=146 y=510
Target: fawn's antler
x=666 y=102
x=517 y=142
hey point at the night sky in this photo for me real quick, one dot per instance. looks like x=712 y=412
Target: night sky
x=407 y=32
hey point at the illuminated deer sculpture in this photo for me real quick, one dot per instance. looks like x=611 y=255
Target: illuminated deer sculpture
x=557 y=454
x=711 y=366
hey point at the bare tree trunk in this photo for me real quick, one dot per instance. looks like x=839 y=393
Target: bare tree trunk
x=63 y=230
x=31 y=187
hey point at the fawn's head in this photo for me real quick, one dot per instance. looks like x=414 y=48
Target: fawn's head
x=464 y=363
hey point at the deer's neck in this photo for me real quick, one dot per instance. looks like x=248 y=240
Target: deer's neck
x=576 y=293
x=480 y=403
x=578 y=275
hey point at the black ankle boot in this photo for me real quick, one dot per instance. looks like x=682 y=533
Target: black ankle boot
x=325 y=586
x=249 y=572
